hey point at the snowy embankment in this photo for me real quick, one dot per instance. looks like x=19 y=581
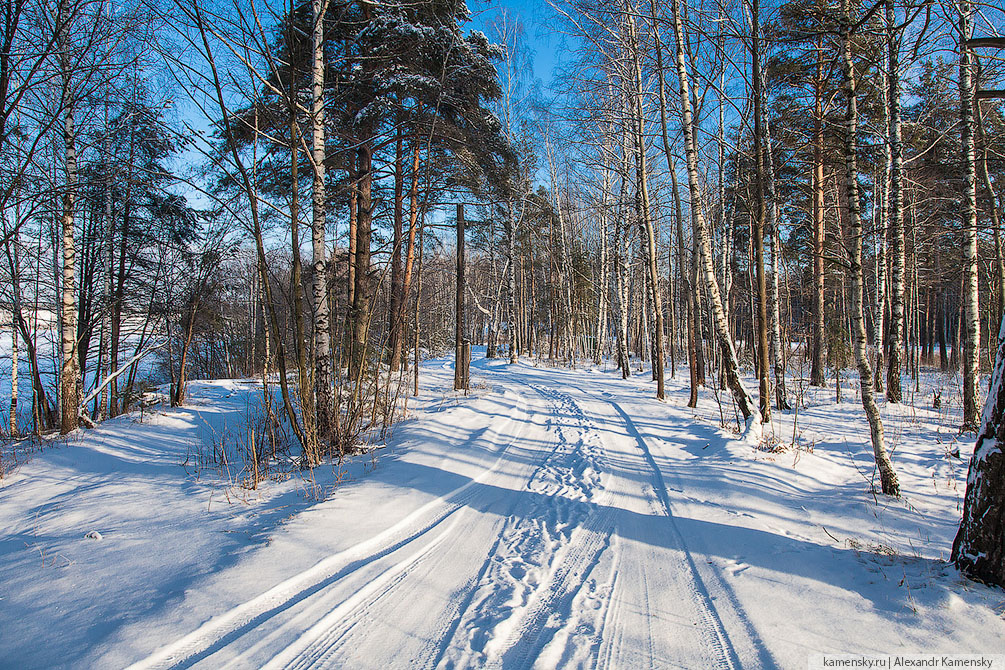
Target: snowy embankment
x=553 y=518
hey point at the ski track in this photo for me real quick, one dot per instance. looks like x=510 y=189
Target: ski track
x=713 y=613
x=224 y=629
x=558 y=585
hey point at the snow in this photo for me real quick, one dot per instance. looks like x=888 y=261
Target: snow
x=550 y=518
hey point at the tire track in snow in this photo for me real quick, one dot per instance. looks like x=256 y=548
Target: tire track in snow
x=608 y=644
x=553 y=606
x=713 y=628
x=320 y=642
x=228 y=627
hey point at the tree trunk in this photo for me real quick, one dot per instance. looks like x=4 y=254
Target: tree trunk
x=645 y=220
x=760 y=217
x=895 y=214
x=979 y=547
x=989 y=194
x=14 y=348
x=511 y=225
x=394 y=324
x=107 y=244
x=69 y=376
x=360 y=320
x=774 y=302
x=683 y=274
x=888 y=476
x=879 y=330
x=971 y=362
x=460 y=373
x=178 y=397
x=605 y=188
x=252 y=193
x=621 y=250
x=817 y=376
x=743 y=399
x=305 y=392
x=413 y=218
x=324 y=383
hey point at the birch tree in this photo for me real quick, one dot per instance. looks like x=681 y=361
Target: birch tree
x=888 y=477
x=968 y=207
x=324 y=385
x=743 y=398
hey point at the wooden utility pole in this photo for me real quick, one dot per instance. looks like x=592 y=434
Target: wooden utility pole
x=461 y=346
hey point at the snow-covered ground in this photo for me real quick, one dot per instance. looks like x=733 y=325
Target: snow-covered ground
x=552 y=518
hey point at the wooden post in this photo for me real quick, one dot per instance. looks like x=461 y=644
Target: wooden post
x=460 y=368
x=465 y=364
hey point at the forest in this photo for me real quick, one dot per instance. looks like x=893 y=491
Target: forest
x=769 y=217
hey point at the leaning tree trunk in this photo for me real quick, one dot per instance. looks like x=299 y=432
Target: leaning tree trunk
x=971 y=316
x=744 y=401
x=252 y=194
x=979 y=547
x=888 y=477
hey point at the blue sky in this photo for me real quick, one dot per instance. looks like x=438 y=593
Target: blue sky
x=535 y=16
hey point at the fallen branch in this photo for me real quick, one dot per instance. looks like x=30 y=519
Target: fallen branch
x=110 y=378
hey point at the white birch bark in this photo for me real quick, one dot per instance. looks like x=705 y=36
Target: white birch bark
x=895 y=213
x=323 y=378
x=14 y=345
x=888 y=476
x=744 y=401
x=774 y=243
x=971 y=314
x=648 y=231
x=69 y=376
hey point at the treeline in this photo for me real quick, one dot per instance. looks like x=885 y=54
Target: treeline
x=238 y=190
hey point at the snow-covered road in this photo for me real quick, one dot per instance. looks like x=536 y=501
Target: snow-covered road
x=558 y=548
x=563 y=519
